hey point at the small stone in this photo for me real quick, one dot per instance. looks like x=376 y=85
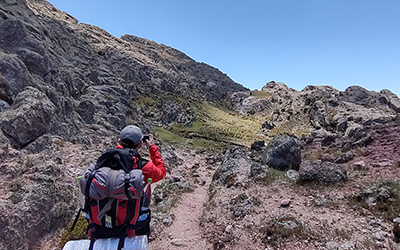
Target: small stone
x=167 y=220
x=384 y=194
x=229 y=229
x=286 y=203
x=375 y=223
x=200 y=181
x=380 y=235
x=321 y=200
x=360 y=165
x=349 y=245
x=177 y=242
x=332 y=245
x=371 y=202
x=292 y=175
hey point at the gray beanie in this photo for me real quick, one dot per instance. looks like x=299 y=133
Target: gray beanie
x=131 y=136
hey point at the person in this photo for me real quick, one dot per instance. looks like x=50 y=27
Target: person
x=132 y=137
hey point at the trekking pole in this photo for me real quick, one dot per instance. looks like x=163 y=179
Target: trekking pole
x=76 y=219
x=79 y=211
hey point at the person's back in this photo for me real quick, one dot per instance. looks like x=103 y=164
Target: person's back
x=126 y=217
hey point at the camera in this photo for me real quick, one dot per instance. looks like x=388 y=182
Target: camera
x=145 y=138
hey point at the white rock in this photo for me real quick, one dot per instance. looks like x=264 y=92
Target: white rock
x=229 y=229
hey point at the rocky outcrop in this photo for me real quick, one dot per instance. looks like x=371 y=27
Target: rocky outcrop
x=318 y=107
x=29 y=118
x=38 y=197
x=234 y=169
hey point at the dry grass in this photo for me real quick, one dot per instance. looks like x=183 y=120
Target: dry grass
x=218 y=123
x=261 y=94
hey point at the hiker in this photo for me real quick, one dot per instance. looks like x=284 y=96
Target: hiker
x=131 y=137
x=117 y=189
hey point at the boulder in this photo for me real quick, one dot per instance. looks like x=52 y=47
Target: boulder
x=325 y=172
x=268 y=125
x=242 y=205
x=86 y=109
x=341 y=122
x=282 y=153
x=234 y=169
x=15 y=76
x=357 y=95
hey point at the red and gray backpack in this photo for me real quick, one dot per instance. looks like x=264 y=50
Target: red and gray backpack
x=113 y=190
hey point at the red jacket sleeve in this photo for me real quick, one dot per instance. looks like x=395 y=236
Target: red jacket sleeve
x=154 y=169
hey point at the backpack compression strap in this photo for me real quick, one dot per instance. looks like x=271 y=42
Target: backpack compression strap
x=107 y=207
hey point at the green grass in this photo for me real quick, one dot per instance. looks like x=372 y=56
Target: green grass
x=168 y=136
x=194 y=143
x=229 y=126
x=214 y=127
x=145 y=101
x=274 y=175
x=195 y=128
x=78 y=233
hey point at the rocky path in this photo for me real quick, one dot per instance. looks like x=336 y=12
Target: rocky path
x=185 y=231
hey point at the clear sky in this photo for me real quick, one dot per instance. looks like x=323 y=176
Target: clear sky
x=297 y=42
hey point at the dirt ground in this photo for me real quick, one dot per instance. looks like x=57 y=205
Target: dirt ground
x=337 y=224
x=185 y=231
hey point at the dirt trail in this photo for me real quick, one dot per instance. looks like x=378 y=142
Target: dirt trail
x=185 y=231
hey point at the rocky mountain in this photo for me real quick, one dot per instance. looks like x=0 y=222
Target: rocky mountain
x=61 y=82
x=83 y=76
x=67 y=88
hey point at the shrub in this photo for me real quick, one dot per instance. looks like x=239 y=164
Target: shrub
x=281 y=228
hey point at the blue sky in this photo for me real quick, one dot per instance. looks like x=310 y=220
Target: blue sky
x=298 y=42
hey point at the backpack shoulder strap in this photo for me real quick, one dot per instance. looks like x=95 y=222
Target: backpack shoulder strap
x=116 y=158
x=140 y=162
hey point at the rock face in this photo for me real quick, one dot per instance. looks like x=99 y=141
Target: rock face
x=283 y=152
x=40 y=198
x=86 y=77
x=28 y=118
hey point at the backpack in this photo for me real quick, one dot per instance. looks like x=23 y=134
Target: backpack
x=113 y=190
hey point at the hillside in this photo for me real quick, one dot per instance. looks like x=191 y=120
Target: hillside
x=323 y=175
